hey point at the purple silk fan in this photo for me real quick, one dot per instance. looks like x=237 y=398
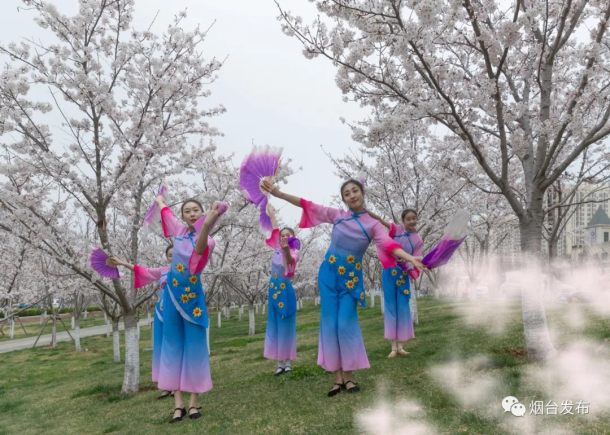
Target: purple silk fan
x=454 y=235
x=294 y=243
x=261 y=163
x=99 y=263
x=152 y=220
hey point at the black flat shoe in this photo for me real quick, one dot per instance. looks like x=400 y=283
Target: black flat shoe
x=335 y=391
x=165 y=394
x=279 y=372
x=353 y=389
x=194 y=415
x=182 y=415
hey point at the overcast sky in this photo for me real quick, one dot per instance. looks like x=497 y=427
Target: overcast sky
x=273 y=94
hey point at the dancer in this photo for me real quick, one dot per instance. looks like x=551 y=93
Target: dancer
x=281 y=334
x=398 y=322
x=341 y=349
x=142 y=277
x=185 y=363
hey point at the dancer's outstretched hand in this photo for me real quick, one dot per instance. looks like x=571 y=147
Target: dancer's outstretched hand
x=268 y=186
x=114 y=262
x=417 y=262
x=212 y=216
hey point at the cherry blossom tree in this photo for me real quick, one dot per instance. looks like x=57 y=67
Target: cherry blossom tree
x=122 y=115
x=523 y=87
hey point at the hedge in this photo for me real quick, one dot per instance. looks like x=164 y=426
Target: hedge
x=38 y=311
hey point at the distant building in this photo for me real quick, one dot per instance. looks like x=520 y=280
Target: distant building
x=589 y=198
x=596 y=243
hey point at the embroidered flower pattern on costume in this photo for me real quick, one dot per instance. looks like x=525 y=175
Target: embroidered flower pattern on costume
x=192 y=295
x=402 y=282
x=275 y=275
x=175 y=282
x=187 y=289
x=275 y=296
x=281 y=305
x=197 y=312
x=350 y=272
x=282 y=286
x=180 y=267
x=184 y=298
x=362 y=295
x=193 y=279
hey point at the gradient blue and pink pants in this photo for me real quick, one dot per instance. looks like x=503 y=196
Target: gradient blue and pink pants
x=341 y=345
x=281 y=336
x=397 y=317
x=184 y=362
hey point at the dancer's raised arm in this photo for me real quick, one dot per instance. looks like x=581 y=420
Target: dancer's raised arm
x=381 y=221
x=271 y=213
x=272 y=189
x=202 y=241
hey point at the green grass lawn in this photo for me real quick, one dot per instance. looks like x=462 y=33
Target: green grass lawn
x=45 y=391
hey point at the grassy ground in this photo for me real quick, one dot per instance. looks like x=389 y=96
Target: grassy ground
x=64 y=392
x=33 y=326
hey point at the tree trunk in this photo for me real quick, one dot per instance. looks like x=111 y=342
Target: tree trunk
x=131 y=378
x=264 y=308
x=116 y=342
x=219 y=319
x=536 y=331
x=85 y=313
x=108 y=328
x=227 y=313
x=77 y=334
x=240 y=311
x=373 y=298
x=251 y=328
x=413 y=305
x=54 y=331
x=11 y=329
x=72 y=322
x=43 y=316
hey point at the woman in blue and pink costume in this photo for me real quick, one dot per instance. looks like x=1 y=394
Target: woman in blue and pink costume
x=398 y=321
x=341 y=348
x=185 y=365
x=281 y=334
x=143 y=276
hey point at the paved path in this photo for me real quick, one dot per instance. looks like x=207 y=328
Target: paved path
x=45 y=340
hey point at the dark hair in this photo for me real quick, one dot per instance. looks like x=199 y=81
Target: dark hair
x=168 y=248
x=406 y=211
x=186 y=202
x=289 y=229
x=352 y=181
